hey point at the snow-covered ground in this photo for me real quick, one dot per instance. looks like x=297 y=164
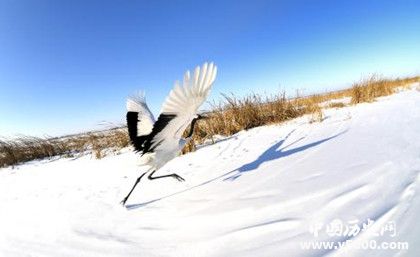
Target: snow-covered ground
x=269 y=191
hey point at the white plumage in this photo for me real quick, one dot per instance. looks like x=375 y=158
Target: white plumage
x=160 y=141
x=183 y=101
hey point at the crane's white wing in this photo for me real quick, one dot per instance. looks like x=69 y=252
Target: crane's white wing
x=137 y=104
x=186 y=99
x=181 y=106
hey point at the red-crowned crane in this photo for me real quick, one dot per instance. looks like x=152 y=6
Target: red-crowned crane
x=161 y=141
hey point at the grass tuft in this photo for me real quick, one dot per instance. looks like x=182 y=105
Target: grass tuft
x=25 y=148
x=368 y=89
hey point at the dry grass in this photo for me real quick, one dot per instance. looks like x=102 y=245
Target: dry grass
x=232 y=115
x=24 y=149
x=227 y=117
x=336 y=105
x=367 y=90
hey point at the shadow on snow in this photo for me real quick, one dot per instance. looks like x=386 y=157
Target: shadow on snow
x=276 y=151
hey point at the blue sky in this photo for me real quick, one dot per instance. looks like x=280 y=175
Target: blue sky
x=67 y=66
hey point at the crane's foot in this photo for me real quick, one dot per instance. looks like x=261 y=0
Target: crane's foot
x=178 y=177
x=173 y=175
x=123 y=201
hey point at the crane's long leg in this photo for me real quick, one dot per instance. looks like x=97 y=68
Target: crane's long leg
x=175 y=176
x=132 y=189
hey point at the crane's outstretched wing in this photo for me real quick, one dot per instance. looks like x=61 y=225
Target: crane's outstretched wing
x=139 y=120
x=181 y=107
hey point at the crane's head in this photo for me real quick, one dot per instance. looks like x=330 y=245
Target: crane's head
x=194 y=120
x=201 y=117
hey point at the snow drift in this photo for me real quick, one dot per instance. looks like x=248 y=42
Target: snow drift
x=270 y=191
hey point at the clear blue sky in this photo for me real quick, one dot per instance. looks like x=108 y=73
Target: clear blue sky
x=66 y=66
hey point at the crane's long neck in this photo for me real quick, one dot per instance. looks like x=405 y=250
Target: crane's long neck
x=192 y=128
